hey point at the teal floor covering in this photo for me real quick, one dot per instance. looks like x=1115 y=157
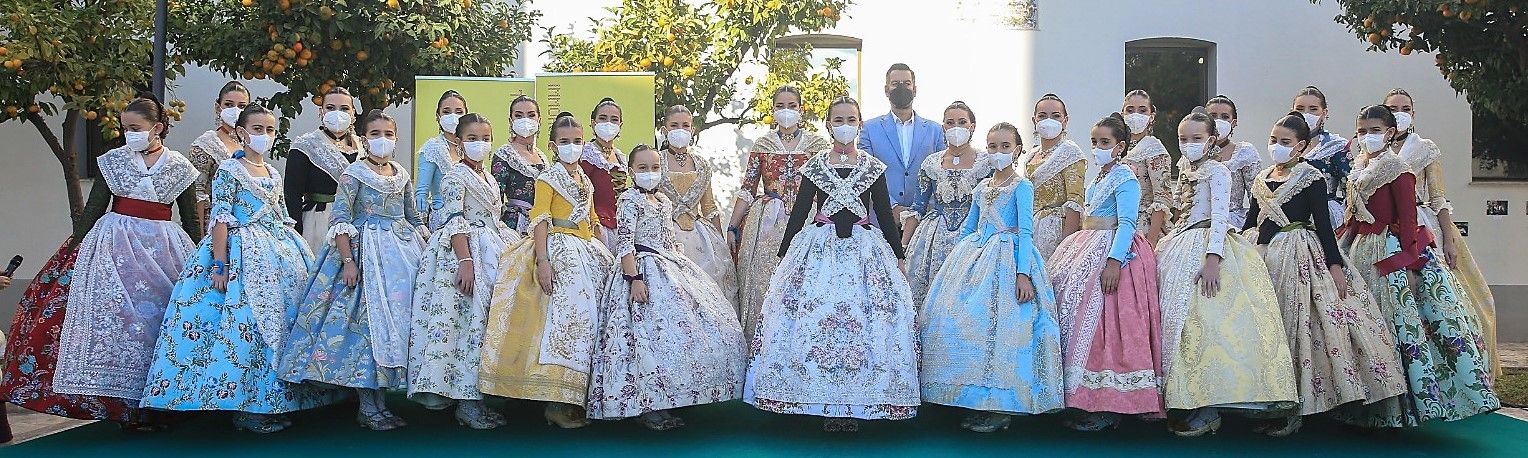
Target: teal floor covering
x=735 y=429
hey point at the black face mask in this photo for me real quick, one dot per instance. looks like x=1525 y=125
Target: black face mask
x=901 y=97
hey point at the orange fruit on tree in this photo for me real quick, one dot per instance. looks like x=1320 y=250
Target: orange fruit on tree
x=305 y=55
x=373 y=91
x=688 y=72
x=3 y=51
x=11 y=110
x=668 y=61
x=392 y=4
x=247 y=2
x=297 y=46
x=503 y=23
x=278 y=69
x=1374 y=38
x=34 y=108
x=290 y=54
x=91 y=115
x=318 y=101
x=361 y=56
x=1406 y=50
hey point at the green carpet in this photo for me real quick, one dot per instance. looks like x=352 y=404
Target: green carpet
x=737 y=430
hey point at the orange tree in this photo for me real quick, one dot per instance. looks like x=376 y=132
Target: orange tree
x=64 y=69
x=374 y=48
x=1480 y=46
x=697 y=49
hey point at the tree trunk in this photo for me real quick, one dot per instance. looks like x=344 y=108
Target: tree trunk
x=66 y=152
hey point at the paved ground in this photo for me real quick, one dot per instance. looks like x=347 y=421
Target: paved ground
x=28 y=425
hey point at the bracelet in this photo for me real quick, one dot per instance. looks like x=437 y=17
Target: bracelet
x=735 y=231
x=347 y=260
x=632 y=278
x=462 y=260
x=219 y=267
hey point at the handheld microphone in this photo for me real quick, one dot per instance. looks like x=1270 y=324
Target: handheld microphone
x=10 y=270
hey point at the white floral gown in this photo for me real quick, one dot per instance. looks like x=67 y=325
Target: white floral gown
x=683 y=347
x=124 y=272
x=694 y=208
x=838 y=336
x=446 y=337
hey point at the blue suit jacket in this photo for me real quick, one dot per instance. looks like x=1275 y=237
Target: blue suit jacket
x=879 y=138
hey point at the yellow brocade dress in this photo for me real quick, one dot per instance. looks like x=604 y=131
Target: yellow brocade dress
x=537 y=346
x=1424 y=158
x=1058 y=177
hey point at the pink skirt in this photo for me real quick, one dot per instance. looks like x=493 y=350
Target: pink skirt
x=1111 y=343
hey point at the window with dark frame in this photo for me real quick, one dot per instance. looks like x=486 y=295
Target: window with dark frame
x=1178 y=72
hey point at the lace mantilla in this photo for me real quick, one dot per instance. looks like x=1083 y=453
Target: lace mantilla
x=810 y=143
x=1056 y=159
x=210 y=143
x=1271 y=201
x=383 y=184
x=480 y=185
x=437 y=151
x=1103 y=189
x=1149 y=147
x=126 y=175
x=518 y=162
x=1368 y=177
x=271 y=196
x=843 y=193
x=953 y=185
x=323 y=152
x=578 y=191
x=643 y=222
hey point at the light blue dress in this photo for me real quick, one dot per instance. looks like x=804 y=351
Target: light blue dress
x=358 y=336
x=434 y=160
x=982 y=349
x=219 y=350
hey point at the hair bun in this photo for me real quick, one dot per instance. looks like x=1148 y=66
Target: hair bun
x=1117 y=115
x=607 y=99
x=563 y=114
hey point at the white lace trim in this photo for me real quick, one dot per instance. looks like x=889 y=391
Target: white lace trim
x=687 y=202
x=577 y=191
x=210 y=143
x=1272 y=200
x=1129 y=381
x=1103 y=190
x=843 y=193
x=949 y=188
x=342 y=228
x=324 y=153
x=517 y=162
x=1149 y=147
x=1368 y=177
x=1060 y=157
x=126 y=175
x=396 y=183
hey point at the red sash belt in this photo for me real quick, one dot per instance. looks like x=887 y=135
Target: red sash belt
x=140 y=208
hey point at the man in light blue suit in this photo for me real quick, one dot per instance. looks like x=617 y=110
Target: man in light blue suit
x=901 y=139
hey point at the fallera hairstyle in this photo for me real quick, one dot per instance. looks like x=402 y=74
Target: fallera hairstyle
x=232 y=86
x=676 y=109
x=253 y=109
x=1199 y=115
x=564 y=119
x=637 y=149
x=1142 y=93
x=1006 y=126
x=786 y=89
x=1380 y=112
x=448 y=95
x=468 y=120
x=1223 y=100
x=959 y=105
x=902 y=67
x=1051 y=97
x=1399 y=91
x=376 y=114
x=1120 y=131
x=1311 y=90
x=605 y=102
x=522 y=98
x=148 y=106
x=1295 y=121
x=844 y=100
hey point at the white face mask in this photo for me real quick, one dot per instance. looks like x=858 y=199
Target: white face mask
x=679 y=138
x=647 y=180
x=337 y=121
x=845 y=134
x=1312 y=120
x=1402 y=121
x=260 y=144
x=1193 y=151
x=1103 y=156
x=787 y=118
x=229 y=116
x=957 y=136
x=1000 y=160
x=1280 y=153
x=380 y=147
x=607 y=131
x=448 y=122
x=1372 y=142
x=1137 y=122
x=569 y=153
x=525 y=127
x=1223 y=127
x=137 y=141
x=476 y=150
x=1048 y=128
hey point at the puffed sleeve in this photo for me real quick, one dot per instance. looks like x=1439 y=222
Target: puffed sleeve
x=1220 y=209
x=627 y=210
x=1314 y=197
x=541 y=206
x=347 y=190
x=1127 y=199
x=224 y=193
x=1024 y=211
x=1074 y=186
x=805 y=198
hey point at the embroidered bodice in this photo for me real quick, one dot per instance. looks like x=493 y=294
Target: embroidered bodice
x=1211 y=181
x=643 y=222
x=610 y=180
x=517 y=184
x=690 y=192
x=1299 y=197
x=564 y=199
x=1057 y=176
x=1330 y=156
x=240 y=199
x=367 y=197
x=774 y=170
x=1425 y=160
x=434 y=161
x=206 y=152
x=1153 y=170
x=1116 y=194
x=947 y=191
x=844 y=196
x=1244 y=164
x=470 y=199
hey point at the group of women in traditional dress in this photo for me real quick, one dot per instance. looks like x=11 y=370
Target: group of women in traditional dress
x=1099 y=283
